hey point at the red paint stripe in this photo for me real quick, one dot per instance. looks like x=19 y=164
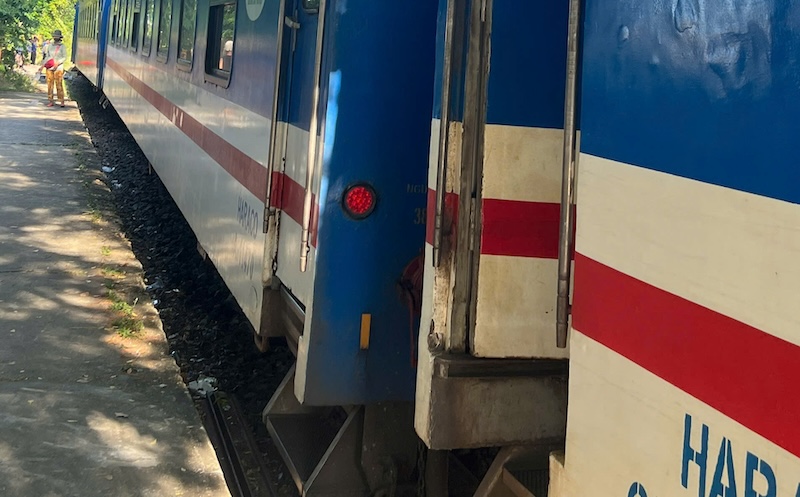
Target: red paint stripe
x=289 y=196
x=246 y=170
x=510 y=227
x=286 y=194
x=521 y=229
x=748 y=375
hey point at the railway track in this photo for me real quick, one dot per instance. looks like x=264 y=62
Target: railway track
x=241 y=461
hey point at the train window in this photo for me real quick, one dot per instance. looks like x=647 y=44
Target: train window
x=311 y=5
x=186 y=36
x=123 y=24
x=164 y=25
x=221 y=31
x=147 y=41
x=136 y=20
x=114 y=21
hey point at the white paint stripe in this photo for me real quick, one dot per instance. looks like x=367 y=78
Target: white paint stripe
x=207 y=196
x=300 y=284
x=516 y=308
x=433 y=153
x=517 y=295
x=626 y=425
x=242 y=128
x=522 y=163
x=454 y=155
x=733 y=252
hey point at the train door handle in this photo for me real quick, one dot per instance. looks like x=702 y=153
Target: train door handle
x=291 y=22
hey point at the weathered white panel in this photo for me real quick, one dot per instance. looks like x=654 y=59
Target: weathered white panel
x=516 y=308
x=516 y=296
x=210 y=198
x=522 y=163
x=679 y=235
x=626 y=427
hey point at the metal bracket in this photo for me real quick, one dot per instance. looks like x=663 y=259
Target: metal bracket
x=323 y=455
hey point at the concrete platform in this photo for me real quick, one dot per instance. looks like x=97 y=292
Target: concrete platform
x=84 y=411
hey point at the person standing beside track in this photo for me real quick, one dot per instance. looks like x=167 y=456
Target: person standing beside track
x=34 y=44
x=57 y=53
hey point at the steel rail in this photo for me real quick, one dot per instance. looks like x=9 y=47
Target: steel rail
x=231 y=456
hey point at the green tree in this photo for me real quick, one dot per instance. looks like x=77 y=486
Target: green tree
x=20 y=19
x=49 y=15
x=16 y=23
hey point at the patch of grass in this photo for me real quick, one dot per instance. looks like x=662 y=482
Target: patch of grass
x=111 y=272
x=123 y=307
x=126 y=324
x=105 y=250
x=11 y=80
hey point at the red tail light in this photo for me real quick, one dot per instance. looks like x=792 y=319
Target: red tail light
x=359 y=201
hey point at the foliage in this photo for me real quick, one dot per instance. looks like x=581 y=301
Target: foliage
x=11 y=80
x=15 y=24
x=50 y=15
x=21 y=19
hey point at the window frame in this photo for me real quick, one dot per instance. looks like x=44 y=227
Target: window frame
x=124 y=18
x=145 y=17
x=134 y=33
x=114 y=22
x=186 y=64
x=212 y=74
x=164 y=56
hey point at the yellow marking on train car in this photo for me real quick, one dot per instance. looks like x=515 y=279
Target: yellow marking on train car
x=366 y=325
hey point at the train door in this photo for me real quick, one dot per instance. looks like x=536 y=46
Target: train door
x=491 y=274
x=507 y=273
x=103 y=39
x=295 y=138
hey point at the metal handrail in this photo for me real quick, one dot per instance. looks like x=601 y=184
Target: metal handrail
x=444 y=135
x=273 y=135
x=563 y=307
x=305 y=242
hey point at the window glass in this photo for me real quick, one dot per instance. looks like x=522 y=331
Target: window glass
x=115 y=22
x=123 y=24
x=149 y=6
x=312 y=5
x=164 y=25
x=222 y=28
x=137 y=19
x=186 y=39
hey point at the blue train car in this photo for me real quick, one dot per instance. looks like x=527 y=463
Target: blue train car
x=685 y=339
x=293 y=136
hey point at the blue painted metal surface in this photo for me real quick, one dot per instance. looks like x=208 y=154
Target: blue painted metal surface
x=378 y=67
x=520 y=92
x=75 y=33
x=459 y=65
x=102 y=41
x=704 y=89
x=301 y=96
